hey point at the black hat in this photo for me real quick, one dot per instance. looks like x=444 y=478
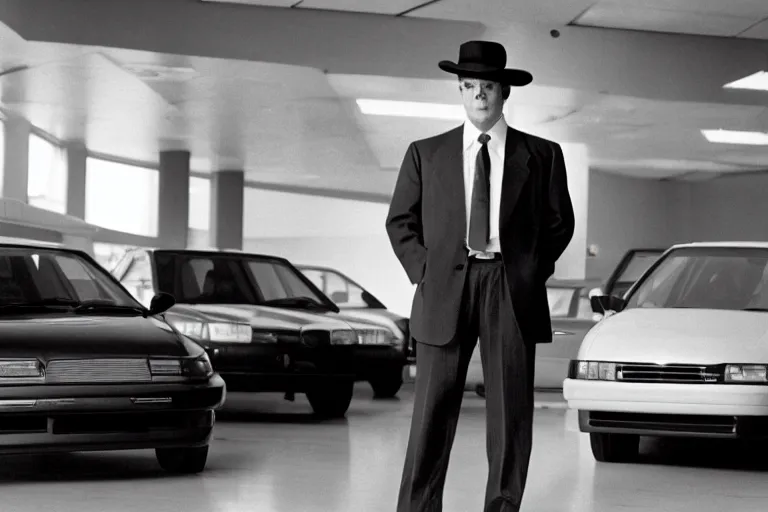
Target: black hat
x=486 y=60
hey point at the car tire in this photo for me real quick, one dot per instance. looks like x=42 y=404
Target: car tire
x=387 y=386
x=331 y=400
x=480 y=390
x=614 y=447
x=182 y=461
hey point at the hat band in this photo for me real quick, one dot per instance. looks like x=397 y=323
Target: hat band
x=476 y=66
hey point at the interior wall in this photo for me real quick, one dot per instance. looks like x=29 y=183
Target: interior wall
x=728 y=208
x=626 y=213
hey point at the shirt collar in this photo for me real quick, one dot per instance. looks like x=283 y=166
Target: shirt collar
x=498 y=133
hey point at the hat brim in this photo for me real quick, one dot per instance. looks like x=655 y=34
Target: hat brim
x=511 y=77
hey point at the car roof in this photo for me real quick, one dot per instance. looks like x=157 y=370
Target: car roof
x=214 y=251
x=734 y=244
x=32 y=244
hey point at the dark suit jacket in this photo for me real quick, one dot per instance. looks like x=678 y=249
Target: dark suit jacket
x=427 y=225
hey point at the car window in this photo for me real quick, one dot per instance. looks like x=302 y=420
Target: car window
x=585 y=309
x=707 y=278
x=560 y=300
x=228 y=279
x=341 y=290
x=30 y=275
x=138 y=279
x=638 y=264
x=317 y=278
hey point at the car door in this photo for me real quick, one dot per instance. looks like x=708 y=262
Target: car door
x=568 y=331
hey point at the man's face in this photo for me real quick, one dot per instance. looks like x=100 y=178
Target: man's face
x=483 y=100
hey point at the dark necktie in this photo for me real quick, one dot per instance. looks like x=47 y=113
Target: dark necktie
x=479 y=220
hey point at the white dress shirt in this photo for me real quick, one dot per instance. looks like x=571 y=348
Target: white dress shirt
x=496 y=146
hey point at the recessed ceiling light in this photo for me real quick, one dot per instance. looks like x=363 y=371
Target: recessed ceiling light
x=756 y=82
x=736 y=137
x=411 y=109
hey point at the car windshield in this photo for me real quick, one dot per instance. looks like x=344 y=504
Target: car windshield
x=706 y=278
x=50 y=277
x=343 y=292
x=233 y=279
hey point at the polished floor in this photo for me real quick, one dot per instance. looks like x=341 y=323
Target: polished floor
x=270 y=455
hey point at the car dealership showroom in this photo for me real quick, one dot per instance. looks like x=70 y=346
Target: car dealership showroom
x=211 y=302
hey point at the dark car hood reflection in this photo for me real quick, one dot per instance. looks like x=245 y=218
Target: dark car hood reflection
x=93 y=336
x=266 y=317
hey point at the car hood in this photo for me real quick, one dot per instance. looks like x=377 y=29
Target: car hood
x=664 y=336
x=263 y=317
x=377 y=317
x=75 y=335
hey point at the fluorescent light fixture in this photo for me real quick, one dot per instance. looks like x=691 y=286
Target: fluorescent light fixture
x=736 y=137
x=755 y=82
x=411 y=109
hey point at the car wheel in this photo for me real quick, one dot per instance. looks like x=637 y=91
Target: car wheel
x=614 y=447
x=387 y=386
x=480 y=390
x=331 y=400
x=184 y=461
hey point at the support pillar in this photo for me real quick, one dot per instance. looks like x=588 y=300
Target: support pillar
x=573 y=263
x=226 y=225
x=16 y=158
x=173 y=201
x=77 y=155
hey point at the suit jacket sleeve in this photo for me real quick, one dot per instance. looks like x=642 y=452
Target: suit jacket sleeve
x=558 y=221
x=404 y=223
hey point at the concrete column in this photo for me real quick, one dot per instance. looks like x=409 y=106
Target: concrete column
x=226 y=225
x=573 y=263
x=16 y=158
x=173 y=206
x=77 y=155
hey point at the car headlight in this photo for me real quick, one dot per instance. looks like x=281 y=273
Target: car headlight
x=221 y=332
x=188 y=368
x=344 y=337
x=746 y=373
x=593 y=370
x=14 y=371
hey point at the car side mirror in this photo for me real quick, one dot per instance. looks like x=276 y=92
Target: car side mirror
x=340 y=297
x=595 y=292
x=161 y=303
x=602 y=304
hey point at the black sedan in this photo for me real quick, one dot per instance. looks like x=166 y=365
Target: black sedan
x=266 y=326
x=84 y=366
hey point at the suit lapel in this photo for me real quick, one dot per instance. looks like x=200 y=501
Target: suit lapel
x=516 y=171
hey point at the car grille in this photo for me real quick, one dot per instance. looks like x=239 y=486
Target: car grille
x=97 y=371
x=668 y=373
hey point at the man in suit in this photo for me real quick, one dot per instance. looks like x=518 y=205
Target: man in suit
x=478 y=218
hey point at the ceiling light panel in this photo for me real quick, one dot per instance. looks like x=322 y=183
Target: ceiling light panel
x=627 y=17
x=736 y=137
x=263 y=3
x=367 y=6
x=411 y=109
x=756 y=81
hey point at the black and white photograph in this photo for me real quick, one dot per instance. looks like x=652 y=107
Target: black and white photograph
x=383 y=255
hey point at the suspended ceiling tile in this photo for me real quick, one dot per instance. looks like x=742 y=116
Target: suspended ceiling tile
x=742 y=8
x=758 y=31
x=500 y=13
x=263 y=3
x=619 y=16
x=368 y=6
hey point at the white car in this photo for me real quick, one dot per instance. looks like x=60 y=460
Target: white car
x=683 y=353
